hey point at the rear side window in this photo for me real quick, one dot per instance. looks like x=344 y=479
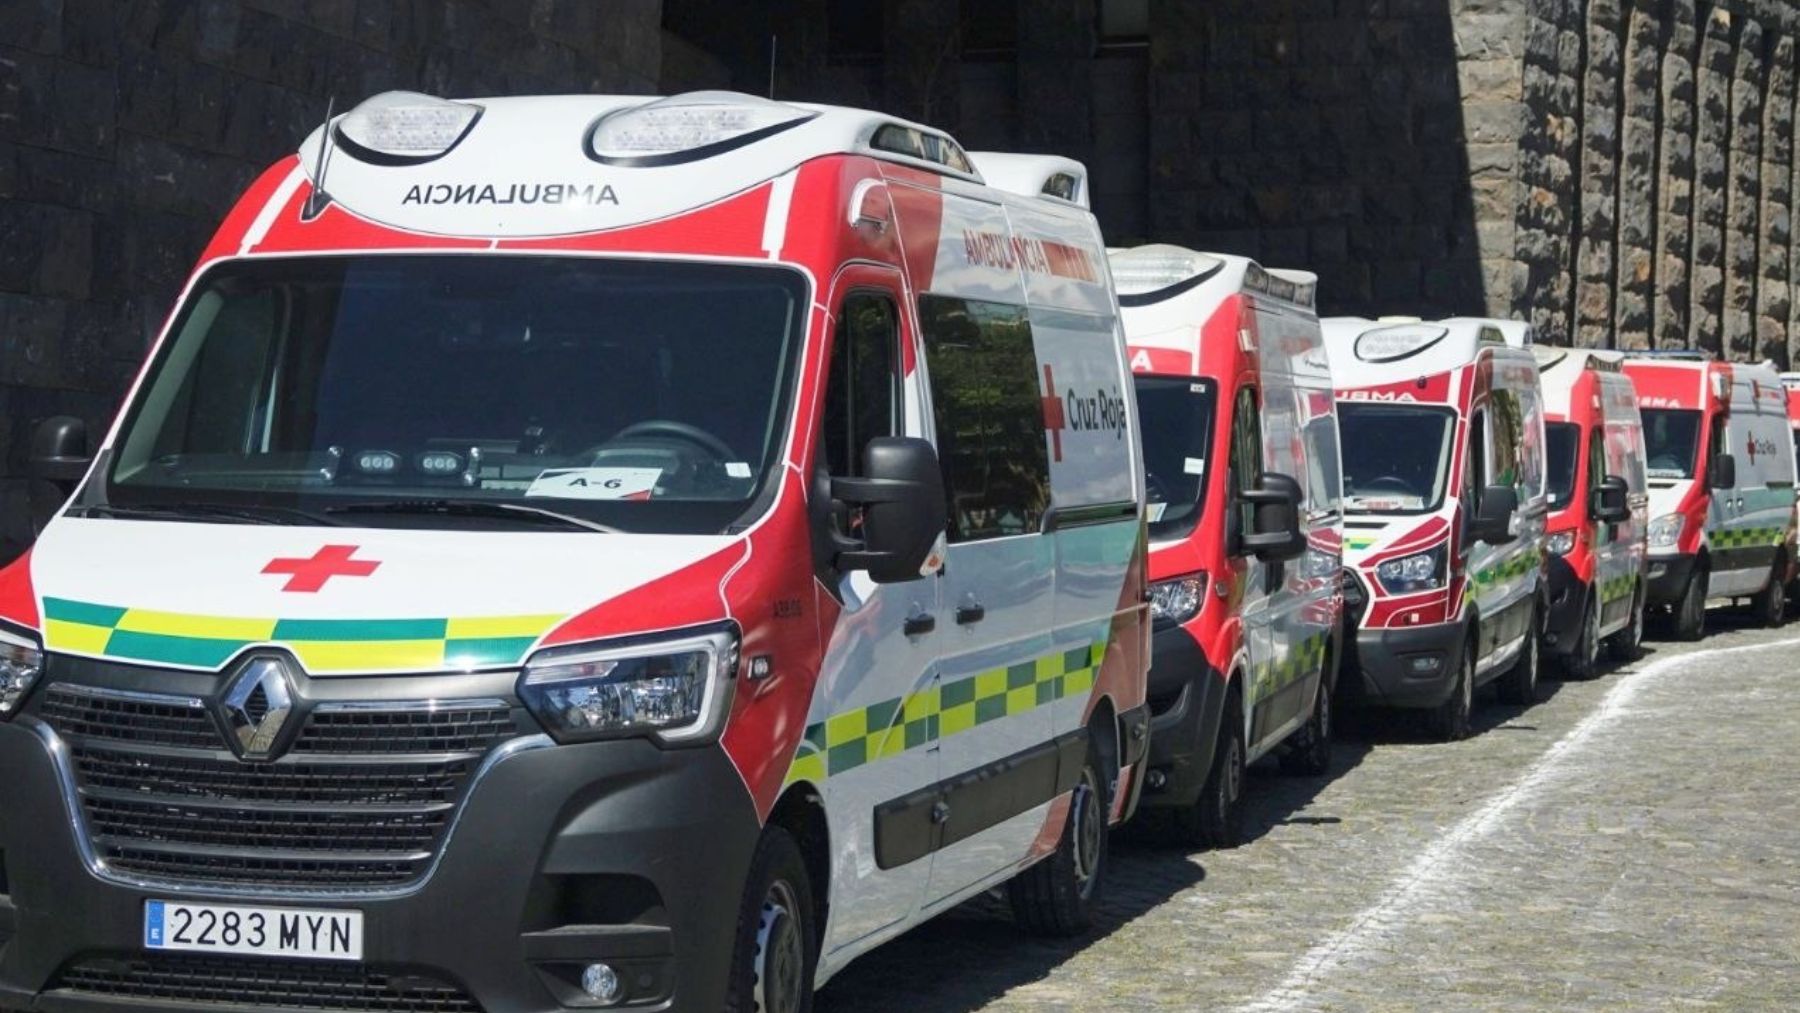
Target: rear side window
x=989 y=412
x=861 y=394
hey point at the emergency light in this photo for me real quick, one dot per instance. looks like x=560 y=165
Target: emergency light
x=405 y=127
x=1144 y=269
x=1397 y=341
x=684 y=127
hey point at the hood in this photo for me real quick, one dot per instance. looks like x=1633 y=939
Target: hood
x=1667 y=496
x=341 y=600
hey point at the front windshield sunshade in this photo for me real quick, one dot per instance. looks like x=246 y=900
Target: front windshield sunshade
x=1671 y=440
x=1561 y=440
x=1176 y=416
x=644 y=396
x=1396 y=457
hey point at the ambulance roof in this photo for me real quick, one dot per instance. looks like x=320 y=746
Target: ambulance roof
x=1161 y=272
x=1051 y=176
x=1366 y=353
x=564 y=164
x=1561 y=368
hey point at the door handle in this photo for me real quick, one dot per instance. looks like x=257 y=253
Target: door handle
x=919 y=625
x=970 y=613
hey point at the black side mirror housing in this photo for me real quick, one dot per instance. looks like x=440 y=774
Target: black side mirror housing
x=901 y=495
x=1721 y=472
x=1610 y=503
x=1493 y=520
x=59 y=459
x=1274 y=533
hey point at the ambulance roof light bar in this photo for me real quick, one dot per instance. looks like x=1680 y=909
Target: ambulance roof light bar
x=921 y=144
x=688 y=127
x=1391 y=342
x=1150 y=274
x=1299 y=287
x=404 y=128
x=1791 y=381
x=1675 y=354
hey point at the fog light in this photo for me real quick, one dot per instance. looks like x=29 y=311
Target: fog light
x=601 y=983
x=1658 y=569
x=1424 y=664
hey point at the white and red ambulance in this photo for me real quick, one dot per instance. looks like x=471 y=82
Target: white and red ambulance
x=1721 y=472
x=1241 y=462
x=1598 y=525
x=583 y=551
x=1442 y=425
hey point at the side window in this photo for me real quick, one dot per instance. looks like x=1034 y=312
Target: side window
x=862 y=388
x=1508 y=444
x=1477 y=472
x=1246 y=451
x=989 y=412
x=1597 y=468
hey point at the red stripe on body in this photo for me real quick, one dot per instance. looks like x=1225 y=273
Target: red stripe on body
x=18 y=601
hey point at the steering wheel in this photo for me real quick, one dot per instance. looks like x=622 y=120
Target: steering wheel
x=1391 y=482
x=678 y=430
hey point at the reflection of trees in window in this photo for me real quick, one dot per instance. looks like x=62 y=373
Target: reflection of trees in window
x=989 y=413
x=1509 y=428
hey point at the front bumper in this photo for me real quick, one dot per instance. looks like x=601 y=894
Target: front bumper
x=1187 y=695
x=1668 y=578
x=1412 y=667
x=620 y=852
x=1568 y=594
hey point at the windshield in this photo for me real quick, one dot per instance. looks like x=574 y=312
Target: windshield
x=1396 y=457
x=1671 y=437
x=1176 y=416
x=1563 y=439
x=635 y=395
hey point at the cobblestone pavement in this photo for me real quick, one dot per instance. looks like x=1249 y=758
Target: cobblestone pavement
x=1628 y=843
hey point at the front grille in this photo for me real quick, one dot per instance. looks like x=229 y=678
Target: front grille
x=364 y=798
x=241 y=982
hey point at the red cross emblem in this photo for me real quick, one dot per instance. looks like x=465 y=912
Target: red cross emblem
x=1054 y=423
x=330 y=561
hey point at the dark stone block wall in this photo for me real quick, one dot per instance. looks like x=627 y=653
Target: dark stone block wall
x=127 y=128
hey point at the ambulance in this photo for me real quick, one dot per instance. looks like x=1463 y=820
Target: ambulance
x=583 y=552
x=1444 y=511
x=1721 y=469
x=1597 y=542
x=1241 y=469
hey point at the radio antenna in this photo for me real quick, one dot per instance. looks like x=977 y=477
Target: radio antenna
x=773 y=41
x=319 y=200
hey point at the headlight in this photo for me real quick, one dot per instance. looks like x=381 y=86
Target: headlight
x=20 y=665
x=675 y=689
x=1422 y=571
x=1177 y=601
x=1665 y=531
x=1316 y=565
x=1559 y=543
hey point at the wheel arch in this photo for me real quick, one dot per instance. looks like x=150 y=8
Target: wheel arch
x=801 y=812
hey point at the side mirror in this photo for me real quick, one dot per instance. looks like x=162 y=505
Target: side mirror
x=901 y=495
x=1493 y=521
x=1721 y=472
x=1609 y=504
x=1274 y=533
x=59 y=458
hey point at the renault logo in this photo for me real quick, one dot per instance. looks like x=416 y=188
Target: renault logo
x=257 y=706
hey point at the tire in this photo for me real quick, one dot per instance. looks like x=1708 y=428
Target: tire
x=1449 y=721
x=1216 y=819
x=1520 y=683
x=1627 y=645
x=1769 y=607
x=1583 y=661
x=1690 y=611
x=1311 y=755
x=776 y=954
x=1058 y=896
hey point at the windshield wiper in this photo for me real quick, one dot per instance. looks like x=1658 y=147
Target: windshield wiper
x=207 y=513
x=472 y=508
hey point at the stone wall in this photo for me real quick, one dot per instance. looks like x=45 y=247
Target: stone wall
x=127 y=127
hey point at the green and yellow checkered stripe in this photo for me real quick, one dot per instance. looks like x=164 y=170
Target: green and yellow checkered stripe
x=1271 y=676
x=1518 y=566
x=1744 y=538
x=1616 y=588
x=1357 y=543
x=320 y=645
x=859 y=737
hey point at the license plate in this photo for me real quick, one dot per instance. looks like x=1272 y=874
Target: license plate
x=261 y=931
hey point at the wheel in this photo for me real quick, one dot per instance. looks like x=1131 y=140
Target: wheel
x=1311 y=754
x=1058 y=896
x=1690 y=611
x=1450 y=720
x=1583 y=660
x=1216 y=819
x=1627 y=645
x=777 y=943
x=1520 y=683
x=1769 y=607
